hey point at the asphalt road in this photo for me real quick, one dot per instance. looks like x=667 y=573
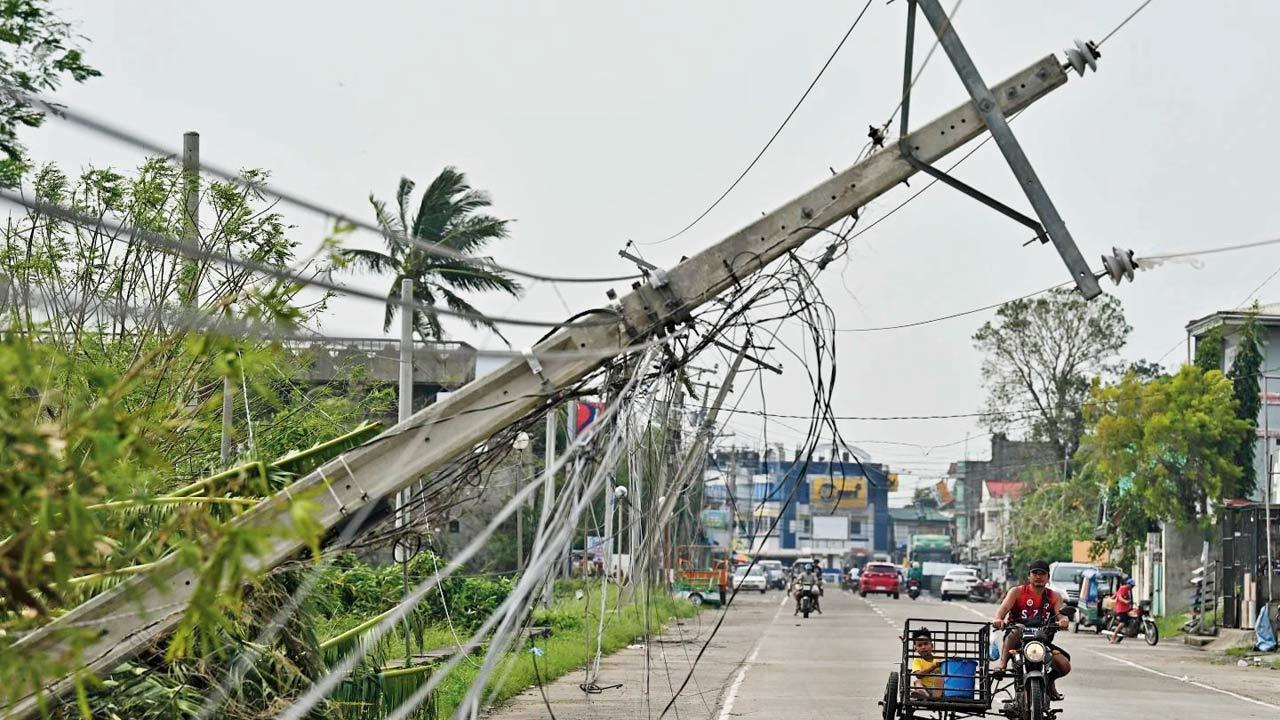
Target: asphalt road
x=836 y=665
x=766 y=664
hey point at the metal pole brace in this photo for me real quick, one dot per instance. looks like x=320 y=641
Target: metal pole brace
x=1050 y=227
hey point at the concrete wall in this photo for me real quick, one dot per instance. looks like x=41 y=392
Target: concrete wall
x=1181 y=555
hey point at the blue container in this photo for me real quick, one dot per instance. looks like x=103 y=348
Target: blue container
x=959 y=680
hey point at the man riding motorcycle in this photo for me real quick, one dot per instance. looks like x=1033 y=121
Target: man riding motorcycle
x=810 y=576
x=1124 y=604
x=1033 y=605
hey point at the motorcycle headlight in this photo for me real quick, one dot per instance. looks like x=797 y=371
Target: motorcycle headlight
x=1034 y=652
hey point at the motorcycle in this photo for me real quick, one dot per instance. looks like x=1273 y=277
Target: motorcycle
x=913 y=589
x=1031 y=668
x=1140 y=622
x=808 y=599
x=984 y=591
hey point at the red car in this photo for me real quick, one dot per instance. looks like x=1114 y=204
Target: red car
x=880 y=578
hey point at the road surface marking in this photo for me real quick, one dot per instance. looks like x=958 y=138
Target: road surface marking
x=880 y=612
x=726 y=708
x=732 y=695
x=1185 y=680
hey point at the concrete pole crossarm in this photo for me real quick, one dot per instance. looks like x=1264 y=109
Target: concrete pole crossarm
x=705 y=275
x=132 y=615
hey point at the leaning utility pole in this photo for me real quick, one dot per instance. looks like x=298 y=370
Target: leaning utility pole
x=132 y=615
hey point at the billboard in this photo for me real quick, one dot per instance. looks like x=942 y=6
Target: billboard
x=715 y=519
x=841 y=493
x=831 y=527
x=587 y=413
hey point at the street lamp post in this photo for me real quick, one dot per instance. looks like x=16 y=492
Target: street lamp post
x=521 y=446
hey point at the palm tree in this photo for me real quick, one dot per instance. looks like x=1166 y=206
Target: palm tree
x=447 y=218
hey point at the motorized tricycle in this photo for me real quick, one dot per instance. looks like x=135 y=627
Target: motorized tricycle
x=969 y=688
x=1096 y=586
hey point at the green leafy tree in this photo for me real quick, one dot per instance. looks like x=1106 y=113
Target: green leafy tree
x=448 y=217
x=1049 y=516
x=38 y=50
x=924 y=497
x=1038 y=356
x=1209 y=350
x=1144 y=369
x=1244 y=374
x=1169 y=442
x=113 y=353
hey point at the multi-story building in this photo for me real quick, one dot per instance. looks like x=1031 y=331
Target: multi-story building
x=1229 y=323
x=827 y=505
x=1015 y=461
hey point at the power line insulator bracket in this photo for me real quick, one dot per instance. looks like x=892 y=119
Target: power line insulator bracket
x=1050 y=226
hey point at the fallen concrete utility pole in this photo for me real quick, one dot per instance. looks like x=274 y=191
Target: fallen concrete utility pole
x=131 y=616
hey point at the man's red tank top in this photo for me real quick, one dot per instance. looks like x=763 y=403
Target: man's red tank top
x=1032 y=610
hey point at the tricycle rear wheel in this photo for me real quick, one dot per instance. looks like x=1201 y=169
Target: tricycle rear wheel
x=889 y=705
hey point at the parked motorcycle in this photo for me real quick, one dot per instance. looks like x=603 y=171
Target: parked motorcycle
x=1031 y=667
x=913 y=589
x=984 y=591
x=808 y=599
x=1140 y=622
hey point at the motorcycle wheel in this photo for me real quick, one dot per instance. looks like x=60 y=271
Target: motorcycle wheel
x=1075 y=625
x=1151 y=631
x=889 y=705
x=895 y=596
x=1037 y=703
x=805 y=613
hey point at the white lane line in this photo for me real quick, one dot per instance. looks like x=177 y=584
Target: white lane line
x=1184 y=680
x=727 y=708
x=880 y=612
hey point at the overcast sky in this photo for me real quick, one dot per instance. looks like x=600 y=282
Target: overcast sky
x=592 y=123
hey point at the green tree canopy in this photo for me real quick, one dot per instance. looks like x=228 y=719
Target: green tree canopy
x=448 y=217
x=1169 y=442
x=1038 y=356
x=1209 y=349
x=38 y=50
x=1244 y=374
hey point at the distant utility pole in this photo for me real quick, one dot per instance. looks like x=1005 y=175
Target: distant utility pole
x=191 y=234
x=548 y=498
x=400 y=547
x=571 y=434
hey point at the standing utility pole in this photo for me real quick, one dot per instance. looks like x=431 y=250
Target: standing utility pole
x=131 y=616
x=548 y=499
x=401 y=546
x=191 y=234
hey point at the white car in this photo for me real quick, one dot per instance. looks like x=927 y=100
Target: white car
x=956 y=583
x=750 y=579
